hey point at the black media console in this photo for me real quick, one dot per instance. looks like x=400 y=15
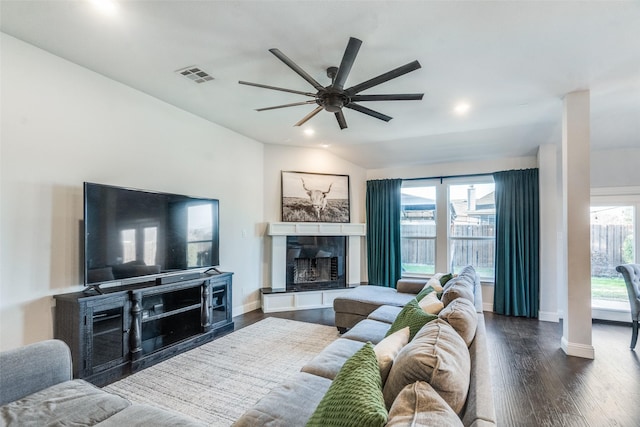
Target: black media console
x=127 y=328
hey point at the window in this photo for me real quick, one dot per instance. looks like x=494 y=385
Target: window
x=418 y=230
x=473 y=227
x=447 y=225
x=612 y=244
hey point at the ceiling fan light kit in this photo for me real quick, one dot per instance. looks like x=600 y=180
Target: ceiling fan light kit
x=334 y=98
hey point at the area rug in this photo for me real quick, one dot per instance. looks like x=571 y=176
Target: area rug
x=218 y=381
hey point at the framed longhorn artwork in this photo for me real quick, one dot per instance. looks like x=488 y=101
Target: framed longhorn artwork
x=315 y=197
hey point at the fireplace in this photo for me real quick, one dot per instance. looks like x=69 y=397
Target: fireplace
x=315 y=262
x=308 y=256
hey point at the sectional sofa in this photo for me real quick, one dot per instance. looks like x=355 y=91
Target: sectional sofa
x=36 y=389
x=433 y=374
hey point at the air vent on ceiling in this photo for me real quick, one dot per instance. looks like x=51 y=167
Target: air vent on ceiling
x=195 y=74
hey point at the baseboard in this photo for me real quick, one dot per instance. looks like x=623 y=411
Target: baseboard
x=578 y=350
x=246 y=308
x=610 y=314
x=487 y=306
x=549 y=316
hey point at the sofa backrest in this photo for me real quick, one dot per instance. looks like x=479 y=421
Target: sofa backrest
x=32 y=368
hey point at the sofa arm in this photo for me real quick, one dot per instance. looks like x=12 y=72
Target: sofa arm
x=410 y=286
x=32 y=368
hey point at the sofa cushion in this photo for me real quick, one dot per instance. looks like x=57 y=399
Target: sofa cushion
x=458 y=287
x=437 y=355
x=461 y=314
x=289 y=404
x=68 y=403
x=387 y=350
x=140 y=415
x=355 y=396
x=329 y=361
x=418 y=404
x=365 y=299
x=370 y=330
x=413 y=317
x=385 y=313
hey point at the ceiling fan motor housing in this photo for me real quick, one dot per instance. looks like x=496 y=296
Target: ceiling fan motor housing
x=333 y=101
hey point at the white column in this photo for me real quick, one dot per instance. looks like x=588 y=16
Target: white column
x=353 y=260
x=443 y=263
x=550 y=222
x=576 y=337
x=278 y=263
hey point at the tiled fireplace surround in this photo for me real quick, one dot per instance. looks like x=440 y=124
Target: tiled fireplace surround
x=277 y=298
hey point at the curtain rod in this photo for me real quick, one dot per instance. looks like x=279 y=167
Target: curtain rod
x=449 y=176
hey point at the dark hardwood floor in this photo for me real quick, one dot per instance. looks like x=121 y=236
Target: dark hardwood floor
x=535 y=383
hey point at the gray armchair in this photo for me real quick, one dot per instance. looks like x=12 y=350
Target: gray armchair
x=631 y=273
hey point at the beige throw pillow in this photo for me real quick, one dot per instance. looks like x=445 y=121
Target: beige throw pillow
x=418 y=404
x=461 y=314
x=431 y=304
x=437 y=355
x=387 y=350
x=434 y=282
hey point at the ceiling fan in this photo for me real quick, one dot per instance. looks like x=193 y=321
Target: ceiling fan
x=334 y=97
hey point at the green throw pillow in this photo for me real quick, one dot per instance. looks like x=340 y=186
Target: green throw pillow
x=424 y=292
x=354 y=398
x=412 y=316
x=445 y=278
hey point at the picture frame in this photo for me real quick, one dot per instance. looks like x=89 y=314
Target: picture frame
x=315 y=197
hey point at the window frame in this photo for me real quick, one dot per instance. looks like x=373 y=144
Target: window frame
x=618 y=196
x=443 y=237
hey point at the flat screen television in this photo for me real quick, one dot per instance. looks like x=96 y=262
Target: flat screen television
x=134 y=235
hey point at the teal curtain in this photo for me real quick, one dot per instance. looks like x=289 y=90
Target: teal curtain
x=383 y=204
x=517 y=280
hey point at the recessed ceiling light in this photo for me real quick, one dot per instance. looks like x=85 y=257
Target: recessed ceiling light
x=462 y=108
x=108 y=7
x=309 y=131
x=325 y=145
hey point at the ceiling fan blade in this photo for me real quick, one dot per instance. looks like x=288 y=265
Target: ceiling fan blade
x=348 y=58
x=308 y=116
x=407 y=68
x=277 y=88
x=341 y=120
x=369 y=112
x=311 y=101
x=282 y=57
x=392 y=97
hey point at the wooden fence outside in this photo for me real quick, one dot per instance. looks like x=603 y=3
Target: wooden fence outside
x=611 y=245
x=418 y=249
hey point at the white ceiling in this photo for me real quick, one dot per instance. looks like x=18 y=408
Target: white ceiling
x=513 y=61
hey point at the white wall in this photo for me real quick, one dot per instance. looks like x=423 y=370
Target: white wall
x=615 y=168
x=278 y=158
x=62 y=125
x=457 y=168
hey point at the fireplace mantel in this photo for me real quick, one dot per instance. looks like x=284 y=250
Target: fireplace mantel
x=316 y=229
x=279 y=231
